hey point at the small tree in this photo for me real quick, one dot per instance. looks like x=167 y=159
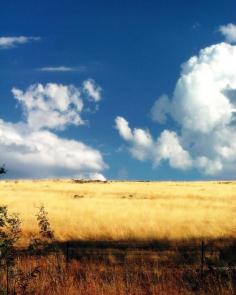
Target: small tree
x=9 y=234
x=46 y=240
x=3 y=170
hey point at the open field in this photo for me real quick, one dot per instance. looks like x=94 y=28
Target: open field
x=123 y=238
x=120 y=211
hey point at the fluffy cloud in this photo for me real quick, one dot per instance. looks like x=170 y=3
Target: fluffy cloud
x=31 y=149
x=229 y=32
x=143 y=147
x=92 y=90
x=140 y=140
x=168 y=147
x=123 y=127
x=203 y=106
x=44 y=154
x=10 y=42
x=201 y=101
x=50 y=106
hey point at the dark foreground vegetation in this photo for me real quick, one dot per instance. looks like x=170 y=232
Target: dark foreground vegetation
x=119 y=268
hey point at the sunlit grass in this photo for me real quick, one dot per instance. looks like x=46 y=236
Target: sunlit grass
x=125 y=210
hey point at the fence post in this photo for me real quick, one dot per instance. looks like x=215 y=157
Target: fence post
x=202 y=258
x=7 y=277
x=67 y=254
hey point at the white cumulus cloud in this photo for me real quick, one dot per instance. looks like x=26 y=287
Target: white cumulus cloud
x=123 y=127
x=10 y=42
x=143 y=147
x=168 y=147
x=203 y=106
x=30 y=148
x=51 y=105
x=229 y=32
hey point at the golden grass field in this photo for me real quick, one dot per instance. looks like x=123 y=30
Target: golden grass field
x=125 y=210
x=174 y=221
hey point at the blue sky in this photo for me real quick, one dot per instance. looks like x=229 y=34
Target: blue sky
x=131 y=52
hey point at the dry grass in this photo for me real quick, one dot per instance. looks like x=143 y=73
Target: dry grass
x=165 y=222
x=125 y=210
x=148 y=273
